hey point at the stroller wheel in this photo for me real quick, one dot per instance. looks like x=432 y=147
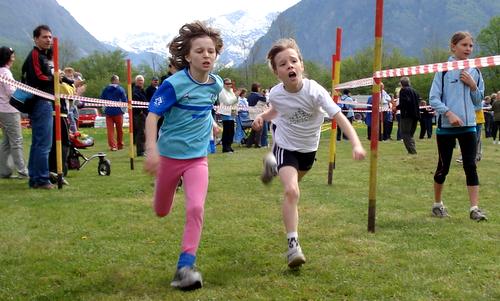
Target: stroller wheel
x=104 y=167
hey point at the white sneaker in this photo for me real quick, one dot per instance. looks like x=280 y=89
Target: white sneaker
x=295 y=257
x=494 y=142
x=270 y=168
x=187 y=278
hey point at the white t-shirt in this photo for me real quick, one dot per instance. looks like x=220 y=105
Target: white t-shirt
x=300 y=115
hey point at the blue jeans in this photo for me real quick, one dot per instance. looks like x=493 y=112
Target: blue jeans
x=41 y=142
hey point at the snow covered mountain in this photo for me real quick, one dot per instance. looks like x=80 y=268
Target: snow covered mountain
x=239 y=31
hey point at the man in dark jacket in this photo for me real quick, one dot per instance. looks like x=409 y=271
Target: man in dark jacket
x=255 y=96
x=37 y=72
x=408 y=105
x=139 y=115
x=114 y=115
x=150 y=91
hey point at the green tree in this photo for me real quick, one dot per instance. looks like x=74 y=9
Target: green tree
x=98 y=68
x=489 y=44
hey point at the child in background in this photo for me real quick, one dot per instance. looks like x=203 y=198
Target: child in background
x=455 y=96
x=296 y=112
x=185 y=100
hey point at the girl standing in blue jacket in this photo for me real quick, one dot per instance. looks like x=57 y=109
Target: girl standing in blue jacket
x=454 y=95
x=185 y=100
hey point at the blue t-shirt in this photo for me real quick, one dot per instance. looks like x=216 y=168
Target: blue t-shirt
x=186 y=106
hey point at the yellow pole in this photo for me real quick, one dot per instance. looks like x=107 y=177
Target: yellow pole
x=335 y=81
x=57 y=108
x=377 y=65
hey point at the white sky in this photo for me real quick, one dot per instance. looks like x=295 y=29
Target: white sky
x=106 y=19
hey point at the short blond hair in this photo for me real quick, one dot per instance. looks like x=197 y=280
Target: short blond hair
x=279 y=46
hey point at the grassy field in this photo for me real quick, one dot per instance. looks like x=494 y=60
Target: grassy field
x=98 y=239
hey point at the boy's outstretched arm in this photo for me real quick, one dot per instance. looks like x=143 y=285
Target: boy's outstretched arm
x=267 y=115
x=358 y=152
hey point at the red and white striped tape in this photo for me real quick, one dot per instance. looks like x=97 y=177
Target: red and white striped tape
x=87 y=100
x=25 y=87
x=364 y=82
x=487 y=61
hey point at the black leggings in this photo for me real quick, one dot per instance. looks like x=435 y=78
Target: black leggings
x=446 y=143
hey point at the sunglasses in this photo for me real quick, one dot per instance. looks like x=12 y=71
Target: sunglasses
x=228 y=84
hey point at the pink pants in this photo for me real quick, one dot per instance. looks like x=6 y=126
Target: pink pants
x=195 y=184
x=111 y=121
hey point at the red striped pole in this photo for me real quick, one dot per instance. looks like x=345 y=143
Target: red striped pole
x=57 y=107
x=377 y=65
x=130 y=115
x=335 y=81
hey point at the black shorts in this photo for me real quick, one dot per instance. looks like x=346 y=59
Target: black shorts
x=301 y=161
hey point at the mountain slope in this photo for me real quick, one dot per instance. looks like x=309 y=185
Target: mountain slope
x=19 y=18
x=408 y=25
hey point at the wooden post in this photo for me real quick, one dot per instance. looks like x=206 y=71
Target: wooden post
x=130 y=115
x=377 y=65
x=335 y=81
x=57 y=108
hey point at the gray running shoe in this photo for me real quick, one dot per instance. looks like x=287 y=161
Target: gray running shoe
x=477 y=215
x=295 y=257
x=187 y=279
x=270 y=168
x=440 y=211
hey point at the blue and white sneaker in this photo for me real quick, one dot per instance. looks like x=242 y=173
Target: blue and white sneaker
x=187 y=279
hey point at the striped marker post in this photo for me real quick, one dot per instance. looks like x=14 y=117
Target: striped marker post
x=335 y=81
x=57 y=107
x=377 y=65
x=130 y=115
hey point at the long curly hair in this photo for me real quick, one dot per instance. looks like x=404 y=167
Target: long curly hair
x=180 y=46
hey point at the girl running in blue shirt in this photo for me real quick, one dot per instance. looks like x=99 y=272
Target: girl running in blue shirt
x=185 y=100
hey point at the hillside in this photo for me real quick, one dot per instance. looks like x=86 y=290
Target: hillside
x=408 y=25
x=19 y=18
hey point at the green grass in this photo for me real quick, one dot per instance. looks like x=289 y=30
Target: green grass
x=98 y=239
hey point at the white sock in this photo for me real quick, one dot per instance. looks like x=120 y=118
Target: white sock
x=438 y=205
x=473 y=208
x=293 y=240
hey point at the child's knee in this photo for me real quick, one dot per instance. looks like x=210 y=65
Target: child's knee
x=292 y=193
x=195 y=211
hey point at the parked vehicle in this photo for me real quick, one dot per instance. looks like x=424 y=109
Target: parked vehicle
x=87 y=116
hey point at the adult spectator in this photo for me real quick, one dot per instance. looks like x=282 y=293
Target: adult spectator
x=254 y=97
x=228 y=109
x=408 y=105
x=495 y=107
x=114 y=115
x=242 y=116
x=139 y=115
x=426 y=115
x=10 y=122
x=347 y=110
x=488 y=116
x=151 y=89
x=38 y=73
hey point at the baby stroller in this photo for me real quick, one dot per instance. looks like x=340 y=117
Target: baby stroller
x=243 y=127
x=79 y=141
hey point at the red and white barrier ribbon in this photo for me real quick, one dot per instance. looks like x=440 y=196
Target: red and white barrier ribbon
x=488 y=61
x=364 y=82
x=25 y=87
x=95 y=102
